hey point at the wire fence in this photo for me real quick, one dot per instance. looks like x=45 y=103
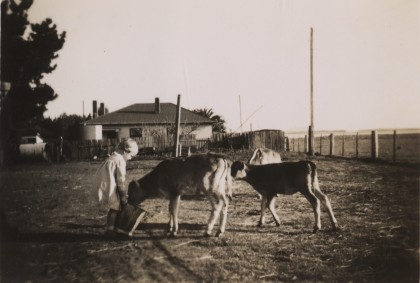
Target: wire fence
x=391 y=147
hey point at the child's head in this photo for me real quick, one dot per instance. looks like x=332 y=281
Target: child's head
x=129 y=148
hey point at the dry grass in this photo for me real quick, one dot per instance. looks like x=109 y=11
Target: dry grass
x=60 y=230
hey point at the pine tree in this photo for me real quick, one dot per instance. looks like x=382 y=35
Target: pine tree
x=27 y=54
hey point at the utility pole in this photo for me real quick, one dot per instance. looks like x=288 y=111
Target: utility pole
x=176 y=152
x=240 y=113
x=311 y=128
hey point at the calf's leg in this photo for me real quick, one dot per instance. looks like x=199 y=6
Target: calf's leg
x=272 y=207
x=326 y=203
x=223 y=217
x=215 y=212
x=263 y=207
x=173 y=215
x=316 y=207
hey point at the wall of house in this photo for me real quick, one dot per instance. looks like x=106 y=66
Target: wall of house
x=203 y=132
x=91 y=132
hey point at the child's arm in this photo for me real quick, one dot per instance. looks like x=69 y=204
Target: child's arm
x=120 y=178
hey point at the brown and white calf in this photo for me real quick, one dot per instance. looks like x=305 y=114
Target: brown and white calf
x=263 y=156
x=285 y=178
x=171 y=178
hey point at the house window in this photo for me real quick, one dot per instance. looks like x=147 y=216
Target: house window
x=136 y=132
x=109 y=134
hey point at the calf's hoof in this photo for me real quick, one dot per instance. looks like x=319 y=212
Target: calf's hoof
x=316 y=229
x=219 y=234
x=207 y=234
x=171 y=234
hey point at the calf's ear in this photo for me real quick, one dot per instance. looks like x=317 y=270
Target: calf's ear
x=259 y=154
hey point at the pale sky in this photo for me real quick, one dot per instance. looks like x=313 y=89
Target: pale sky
x=366 y=59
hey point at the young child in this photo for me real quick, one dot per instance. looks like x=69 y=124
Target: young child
x=111 y=178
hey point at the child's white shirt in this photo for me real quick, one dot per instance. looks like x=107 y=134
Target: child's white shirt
x=111 y=176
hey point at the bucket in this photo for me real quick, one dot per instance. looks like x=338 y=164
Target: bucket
x=128 y=219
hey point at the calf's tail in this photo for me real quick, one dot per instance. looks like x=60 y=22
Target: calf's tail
x=228 y=178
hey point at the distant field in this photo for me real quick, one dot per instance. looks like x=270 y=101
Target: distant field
x=61 y=239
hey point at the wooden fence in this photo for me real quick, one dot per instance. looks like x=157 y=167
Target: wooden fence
x=162 y=144
x=155 y=145
x=391 y=147
x=273 y=139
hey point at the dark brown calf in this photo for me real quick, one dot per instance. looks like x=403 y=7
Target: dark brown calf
x=263 y=156
x=285 y=178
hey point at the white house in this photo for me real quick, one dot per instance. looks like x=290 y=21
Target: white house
x=143 y=120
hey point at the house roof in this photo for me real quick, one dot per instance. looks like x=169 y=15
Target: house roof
x=144 y=113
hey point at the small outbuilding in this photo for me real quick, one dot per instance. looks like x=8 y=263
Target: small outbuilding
x=273 y=139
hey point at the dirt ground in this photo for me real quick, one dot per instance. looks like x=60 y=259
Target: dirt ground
x=57 y=230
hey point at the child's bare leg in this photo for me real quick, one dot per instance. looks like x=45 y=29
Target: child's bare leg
x=111 y=219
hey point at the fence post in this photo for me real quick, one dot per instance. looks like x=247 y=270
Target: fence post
x=311 y=141
x=320 y=144
x=342 y=150
x=331 y=144
x=357 y=145
x=375 y=149
x=394 y=147
x=306 y=145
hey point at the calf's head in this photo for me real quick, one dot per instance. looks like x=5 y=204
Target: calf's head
x=135 y=194
x=256 y=158
x=238 y=170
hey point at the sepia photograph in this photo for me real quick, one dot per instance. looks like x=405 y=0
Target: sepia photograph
x=210 y=141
